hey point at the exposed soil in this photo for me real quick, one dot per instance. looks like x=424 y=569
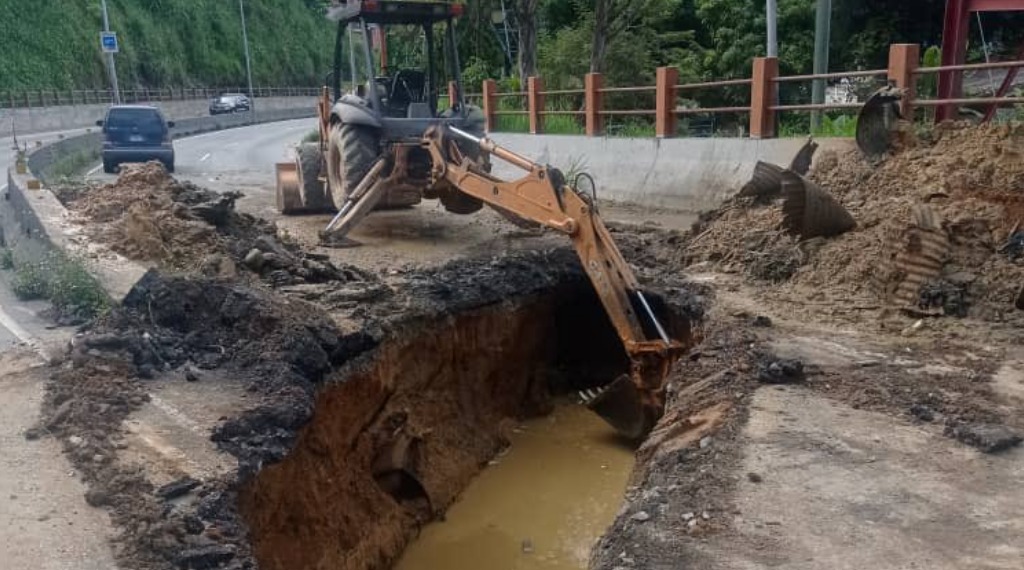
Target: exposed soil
x=373 y=392
x=381 y=395
x=971 y=177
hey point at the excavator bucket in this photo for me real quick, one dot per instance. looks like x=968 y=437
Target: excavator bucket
x=289 y=197
x=878 y=121
x=620 y=404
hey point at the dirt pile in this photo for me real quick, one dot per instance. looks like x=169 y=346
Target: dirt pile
x=971 y=178
x=148 y=216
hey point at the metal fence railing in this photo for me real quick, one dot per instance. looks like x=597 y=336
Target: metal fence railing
x=659 y=109
x=11 y=99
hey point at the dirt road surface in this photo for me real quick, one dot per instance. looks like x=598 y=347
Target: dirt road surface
x=46 y=523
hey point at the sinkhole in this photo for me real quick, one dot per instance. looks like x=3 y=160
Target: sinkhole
x=397 y=436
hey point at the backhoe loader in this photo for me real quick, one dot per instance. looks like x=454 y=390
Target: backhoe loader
x=386 y=145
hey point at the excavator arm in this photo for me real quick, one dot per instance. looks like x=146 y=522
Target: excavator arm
x=633 y=403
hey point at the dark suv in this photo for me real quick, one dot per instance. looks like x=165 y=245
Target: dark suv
x=136 y=133
x=229 y=103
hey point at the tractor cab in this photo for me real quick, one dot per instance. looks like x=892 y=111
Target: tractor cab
x=403 y=98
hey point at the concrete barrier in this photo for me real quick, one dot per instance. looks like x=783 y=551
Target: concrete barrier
x=66 y=117
x=686 y=174
x=35 y=225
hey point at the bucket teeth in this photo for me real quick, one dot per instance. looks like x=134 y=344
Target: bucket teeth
x=588 y=395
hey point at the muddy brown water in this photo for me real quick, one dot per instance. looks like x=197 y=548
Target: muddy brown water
x=541 y=505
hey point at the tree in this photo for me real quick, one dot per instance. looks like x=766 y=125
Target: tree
x=611 y=19
x=526 y=15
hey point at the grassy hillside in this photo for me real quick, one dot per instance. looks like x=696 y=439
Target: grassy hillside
x=55 y=43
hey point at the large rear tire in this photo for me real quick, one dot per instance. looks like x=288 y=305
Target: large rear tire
x=307 y=159
x=351 y=152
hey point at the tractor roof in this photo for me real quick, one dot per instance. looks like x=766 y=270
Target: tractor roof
x=388 y=12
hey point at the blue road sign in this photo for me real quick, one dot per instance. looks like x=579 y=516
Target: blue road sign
x=108 y=41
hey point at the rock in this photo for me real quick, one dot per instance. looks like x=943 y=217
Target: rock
x=60 y=414
x=219 y=266
x=43 y=518
x=922 y=412
x=754 y=478
x=704 y=515
x=193 y=525
x=275 y=261
x=691 y=523
x=177 y=488
x=640 y=516
x=989 y=438
x=912 y=329
x=146 y=372
x=97 y=498
x=99 y=458
x=109 y=341
x=204 y=557
x=783 y=371
x=254 y=259
x=688 y=516
x=191 y=373
x=76 y=440
x=762 y=321
x=705 y=441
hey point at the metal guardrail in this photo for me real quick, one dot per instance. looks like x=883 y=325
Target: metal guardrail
x=20 y=99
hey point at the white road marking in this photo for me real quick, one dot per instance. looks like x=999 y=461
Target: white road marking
x=205 y=156
x=93 y=171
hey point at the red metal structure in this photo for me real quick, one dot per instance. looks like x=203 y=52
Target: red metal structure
x=954 y=48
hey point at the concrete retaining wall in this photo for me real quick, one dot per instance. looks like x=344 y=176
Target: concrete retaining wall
x=66 y=117
x=680 y=174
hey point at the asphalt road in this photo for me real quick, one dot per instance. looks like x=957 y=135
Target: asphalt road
x=238 y=159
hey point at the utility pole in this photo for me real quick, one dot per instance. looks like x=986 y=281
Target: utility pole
x=822 y=33
x=111 y=66
x=773 y=38
x=248 y=62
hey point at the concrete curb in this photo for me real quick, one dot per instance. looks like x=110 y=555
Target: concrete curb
x=34 y=224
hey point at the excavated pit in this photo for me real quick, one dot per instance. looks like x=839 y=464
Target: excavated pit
x=398 y=434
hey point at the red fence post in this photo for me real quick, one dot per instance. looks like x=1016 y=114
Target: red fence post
x=665 y=106
x=593 y=103
x=490 y=90
x=903 y=61
x=762 y=97
x=535 y=104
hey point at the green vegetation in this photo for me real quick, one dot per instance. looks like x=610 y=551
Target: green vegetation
x=71 y=164
x=54 y=45
x=6 y=258
x=312 y=136
x=62 y=281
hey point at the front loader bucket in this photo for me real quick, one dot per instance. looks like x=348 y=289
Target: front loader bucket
x=877 y=120
x=620 y=405
x=289 y=198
